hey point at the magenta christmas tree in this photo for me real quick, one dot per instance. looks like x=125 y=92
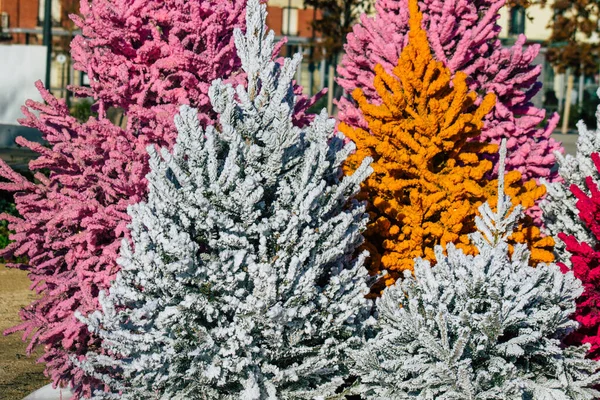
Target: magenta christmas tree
x=584 y=260
x=73 y=219
x=463 y=34
x=146 y=58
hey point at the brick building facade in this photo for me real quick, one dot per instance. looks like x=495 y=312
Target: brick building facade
x=300 y=26
x=19 y=14
x=291 y=19
x=28 y=15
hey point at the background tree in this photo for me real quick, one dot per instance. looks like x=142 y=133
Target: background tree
x=336 y=20
x=332 y=23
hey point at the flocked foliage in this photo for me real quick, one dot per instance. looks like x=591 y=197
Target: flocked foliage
x=147 y=58
x=479 y=327
x=72 y=221
x=572 y=213
x=464 y=36
x=585 y=263
x=74 y=216
x=560 y=212
x=241 y=281
x=428 y=180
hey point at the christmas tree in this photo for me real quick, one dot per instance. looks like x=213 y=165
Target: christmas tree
x=584 y=262
x=73 y=219
x=479 y=327
x=241 y=280
x=149 y=57
x=571 y=212
x=429 y=179
x=146 y=58
x=464 y=36
x=560 y=211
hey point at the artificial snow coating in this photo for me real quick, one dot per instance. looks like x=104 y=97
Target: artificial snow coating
x=242 y=280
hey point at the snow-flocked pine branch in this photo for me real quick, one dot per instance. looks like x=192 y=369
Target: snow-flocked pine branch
x=479 y=327
x=242 y=280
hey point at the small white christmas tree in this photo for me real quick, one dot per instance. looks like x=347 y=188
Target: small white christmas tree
x=241 y=281
x=478 y=327
x=559 y=211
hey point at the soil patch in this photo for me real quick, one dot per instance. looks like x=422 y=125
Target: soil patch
x=19 y=374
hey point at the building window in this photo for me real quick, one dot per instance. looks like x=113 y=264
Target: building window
x=289 y=24
x=4 y=25
x=517 y=20
x=56 y=12
x=4 y=21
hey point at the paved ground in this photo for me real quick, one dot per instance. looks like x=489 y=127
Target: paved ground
x=569 y=141
x=47 y=393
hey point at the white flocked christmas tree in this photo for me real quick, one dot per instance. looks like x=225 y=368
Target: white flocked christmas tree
x=478 y=327
x=241 y=280
x=559 y=211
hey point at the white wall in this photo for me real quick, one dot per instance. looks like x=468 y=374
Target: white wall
x=20 y=67
x=536 y=23
x=537 y=29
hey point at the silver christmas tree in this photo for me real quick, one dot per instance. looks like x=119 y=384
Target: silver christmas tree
x=478 y=327
x=241 y=281
x=559 y=211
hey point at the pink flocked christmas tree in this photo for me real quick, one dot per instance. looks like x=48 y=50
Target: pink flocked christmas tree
x=463 y=35
x=147 y=58
x=585 y=263
x=73 y=220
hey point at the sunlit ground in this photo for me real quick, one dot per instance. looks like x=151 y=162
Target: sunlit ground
x=19 y=374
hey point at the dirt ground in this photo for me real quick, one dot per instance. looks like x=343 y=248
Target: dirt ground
x=19 y=374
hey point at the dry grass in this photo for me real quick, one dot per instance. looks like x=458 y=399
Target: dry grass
x=19 y=374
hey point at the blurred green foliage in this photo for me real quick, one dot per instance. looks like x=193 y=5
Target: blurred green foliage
x=587 y=113
x=318 y=106
x=7 y=206
x=82 y=109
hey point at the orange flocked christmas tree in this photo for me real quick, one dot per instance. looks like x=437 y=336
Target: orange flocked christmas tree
x=429 y=178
